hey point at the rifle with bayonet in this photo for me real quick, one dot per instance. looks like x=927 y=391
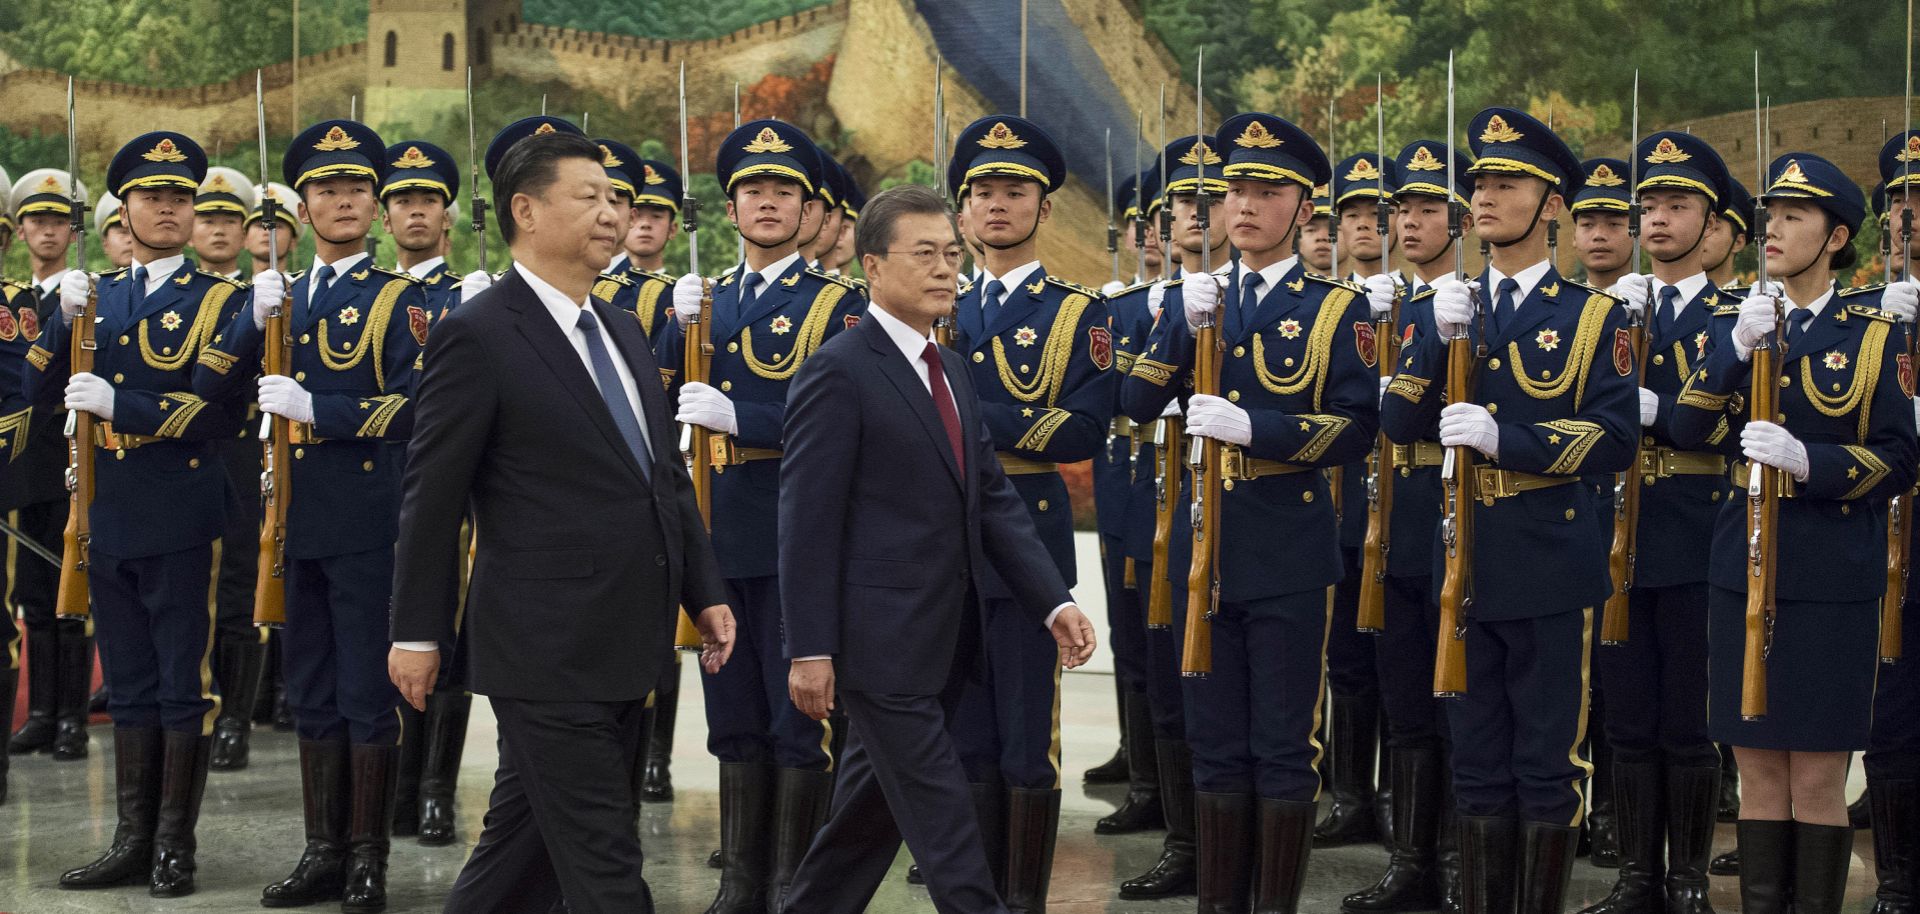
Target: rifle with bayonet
x=1624 y=553
x=276 y=432
x=1371 y=616
x=1203 y=574
x=1458 y=485
x=1168 y=438
x=696 y=359
x=477 y=203
x=1763 y=482
x=1900 y=507
x=73 y=600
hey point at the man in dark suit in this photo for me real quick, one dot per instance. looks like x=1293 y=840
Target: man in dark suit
x=540 y=407
x=892 y=508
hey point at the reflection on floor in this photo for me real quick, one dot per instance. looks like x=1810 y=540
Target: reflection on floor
x=60 y=815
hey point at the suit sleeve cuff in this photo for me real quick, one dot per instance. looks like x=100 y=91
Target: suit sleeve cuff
x=423 y=647
x=813 y=657
x=1057 y=610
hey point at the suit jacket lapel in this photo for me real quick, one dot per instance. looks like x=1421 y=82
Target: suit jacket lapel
x=1536 y=308
x=1021 y=302
x=907 y=381
x=1691 y=320
x=1821 y=333
x=167 y=296
x=329 y=299
x=1274 y=303
x=726 y=305
x=968 y=308
x=553 y=348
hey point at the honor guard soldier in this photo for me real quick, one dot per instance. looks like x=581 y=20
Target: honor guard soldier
x=115 y=241
x=1666 y=770
x=353 y=335
x=287 y=228
x=1359 y=182
x=656 y=219
x=1423 y=868
x=833 y=190
x=416 y=208
x=1730 y=235
x=153 y=458
x=1555 y=401
x=1599 y=211
x=220 y=208
x=1041 y=351
x=768 y=316
x=1297 y=394
x=1844 y=443
x=1315 y=241
x=624 y=170
x=1123 y=507
x=33 y=484
x=836 y=258
x=6 y=209
x=15 y=416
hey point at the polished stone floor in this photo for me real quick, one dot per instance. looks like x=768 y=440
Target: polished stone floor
x=61 y=814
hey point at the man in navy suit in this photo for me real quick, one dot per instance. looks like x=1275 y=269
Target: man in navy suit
x=892 y=508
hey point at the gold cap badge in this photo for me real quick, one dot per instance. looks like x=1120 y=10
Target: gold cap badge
x=1604 y=176
x=767 y=141
x=1257 y=136
x=1912 y=152
x=414 y=158
x=1363 y=170
x=544 y=128
x=51 y=185
x=336 y=140
x=1200 y=154
x=1001 y=137
x=164 y=151
x=1424 y=160
x=653 y=177
x=217 y=185
x=1666 y=152
x=607 y=157
x=1499 y=132
x=1793 y=174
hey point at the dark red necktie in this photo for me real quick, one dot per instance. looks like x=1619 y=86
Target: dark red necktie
x=943 y=401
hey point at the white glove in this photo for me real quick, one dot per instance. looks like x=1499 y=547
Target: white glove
x=1381 y=290
x=1216 y=418
x=1773 y=445
x=1112 y=287
x=1755 y=322
x=89 y=392
x=473 y=284
x=1649 y=406
x=1172 y=409
x=269 y=290
x=1900 y=300
x=1156 y=298
x=283 y=396
x=73 y=293
x=707 y=407
x=687 y=292
x=1384 y=384
x=1470 y=425
x=1453 y=305
x=1632 y=289
x=1201 y=294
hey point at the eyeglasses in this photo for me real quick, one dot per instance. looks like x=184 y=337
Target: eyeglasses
x=925 y=257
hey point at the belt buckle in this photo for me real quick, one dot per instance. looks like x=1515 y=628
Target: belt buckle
x=1653 y=462
x=1233 y=463
x=721 y=453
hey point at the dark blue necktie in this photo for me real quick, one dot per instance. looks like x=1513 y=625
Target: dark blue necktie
x=1249 y=303
x=1503 y=304
x=990 y=303
x=322 y=283
x=608 y=380
x=749 y=285
x=1797 y=321
x=1663 y=318
x=139 y=289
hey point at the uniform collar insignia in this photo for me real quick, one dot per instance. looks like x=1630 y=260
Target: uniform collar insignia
x=1037 y=285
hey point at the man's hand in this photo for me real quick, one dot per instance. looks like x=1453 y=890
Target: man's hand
x=413 y=673
x=1074 y=634
x=810 y=685
x=1632 y=291
x=716 y=636
x=1470 y=425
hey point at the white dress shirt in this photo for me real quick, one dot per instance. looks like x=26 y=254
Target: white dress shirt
x=770 y=273
x=1527 y=278
x=1270 y=277
x=1014 y=279
x=424 y=267
x=158 y=272
x=1688 y=287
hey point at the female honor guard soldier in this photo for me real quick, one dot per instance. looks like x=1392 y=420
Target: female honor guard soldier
x=1554 y=402
x=1298 y=395
x=357 y=334
x=153 y=458
x=768 y=316
x=1844 y=440
x=1424 y=864
x=1041 y=352
x=1666 y=770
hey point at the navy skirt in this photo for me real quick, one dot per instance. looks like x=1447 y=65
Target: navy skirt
x=1819 y=675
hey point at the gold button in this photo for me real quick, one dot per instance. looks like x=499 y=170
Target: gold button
x=1659 y=360
x=733 y=347
x=1023 y=368
x=368 y=466
x=1493 y=409
x=1493 y=364
x=1648 y=441
x=1716 y=495
x=1233 y=395
x=1786 y=381
x=124 y=340
x=1226 y=485
x=299 y=375
x=299 y=452
x=194 y=464
x=1307 y=496
x=1239 y=352
x=726 y=385
x=979 y=357
x=1405 y=471
x=166 y=350
x=119 y=455
x=1646 y=480
x=1289 y=363
x=1846 y=509
x=1836 y=387
x=1569 y=514
x=306 y=338
x=1546 y=375
x=1043 y=504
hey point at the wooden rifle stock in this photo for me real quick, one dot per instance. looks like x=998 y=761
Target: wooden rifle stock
x=1763 y=514
x=74 y=598
x=1899 y=543
x=1372 y=615
x=1169 y=458
x=1624 y=553
x=695 y=361
x=1458 y=493
x=1203 y=574
x=276 y=488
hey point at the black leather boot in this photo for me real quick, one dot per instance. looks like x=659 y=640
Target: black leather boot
x=1285 y=834
x=1114 y=770
x=1033 y=824
x=1448 y=851
x=1356 y=740
x=1411 y=882
x=137 y=755
x=76 y=682
x=1896 y=844
x=1173 y=874
x=407 y=772
x=1546 y=867
x=1692 y=795
x=1766 y=886
x=746 y=806
x=1727 y=864
x=1729 y=804
x=1602 y=827
x=656 y=784
x=798 y=813
x=446 y=739
x=43 y=693
x=1821 y=855
x=240 y=660
x=325 y=790
x=1488 y=848
x=1223 y=827
x=1640 y=796
x=1141 y=811
x=183 y=782
x=368 y=821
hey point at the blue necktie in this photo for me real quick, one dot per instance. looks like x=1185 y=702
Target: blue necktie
x=1663 y=318
x=139 y=289
x=1249 y=303
x=608 y=380
x=990 y=303
x=1797 y=321
x=1503 y=304
x=322 y=283
x=749 y=286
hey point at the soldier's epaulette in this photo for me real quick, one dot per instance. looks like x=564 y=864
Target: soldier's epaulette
x=1134 y=288
x=1072 y=286
x=1592 y=289
x=1856 y=290
x=619 y=277
x=834 y=278
x=1422 y=295
x=1869 y=312
x=14 y=284
x=238 y=284
x=397 y=274
x=1349 y=285
x=661 y=275
x=1727 y=310
x=116 y=275
x=966 y=285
